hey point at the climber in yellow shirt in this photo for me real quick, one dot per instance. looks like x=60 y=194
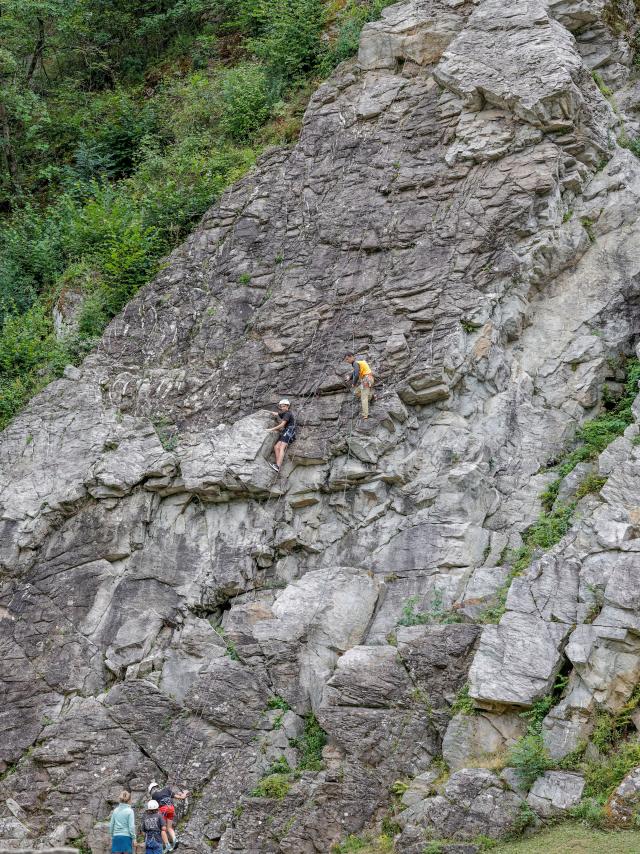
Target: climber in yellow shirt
x=361 y=381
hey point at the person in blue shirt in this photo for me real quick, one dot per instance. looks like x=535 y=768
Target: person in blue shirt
x=123 y=827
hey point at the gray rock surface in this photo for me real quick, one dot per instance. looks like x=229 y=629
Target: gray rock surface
x=458 y=210
x=555 y=792
x=473 y=802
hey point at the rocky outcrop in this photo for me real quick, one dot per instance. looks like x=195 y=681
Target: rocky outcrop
x=289 y=647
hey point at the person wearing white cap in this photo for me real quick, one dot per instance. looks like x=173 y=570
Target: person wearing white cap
x=153 y=827
x=286 y=426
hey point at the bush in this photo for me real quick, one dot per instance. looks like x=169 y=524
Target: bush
x=291 y=41
x=247 y=97
x=276 y=702
x=274 y=786
x=367 y=844
x=605 y=774
x=27 y=342
x=590 y=812
x=529 y=758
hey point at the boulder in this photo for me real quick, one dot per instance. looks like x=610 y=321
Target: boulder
x=517 y=660
x=406 y=33
x=555 y=792
x=480 y=739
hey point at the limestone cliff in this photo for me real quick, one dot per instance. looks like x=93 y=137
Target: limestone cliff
x=460 y=210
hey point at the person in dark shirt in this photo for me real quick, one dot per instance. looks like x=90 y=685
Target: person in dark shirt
x=165 y=797
x=153 y=828
x=286 y=426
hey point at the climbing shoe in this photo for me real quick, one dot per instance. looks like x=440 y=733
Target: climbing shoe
x=274 y=467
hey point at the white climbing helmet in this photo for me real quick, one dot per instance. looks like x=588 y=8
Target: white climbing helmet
x=284 y=402
x=152 y=785
x=153 y=805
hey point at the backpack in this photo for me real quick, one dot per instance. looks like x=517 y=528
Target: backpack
x=152 y=824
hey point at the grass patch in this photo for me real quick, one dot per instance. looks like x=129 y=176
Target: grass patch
x=364 y=844
x=573 y=839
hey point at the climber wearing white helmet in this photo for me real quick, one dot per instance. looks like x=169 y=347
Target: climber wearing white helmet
x=167 y=811
x=153 y=828
x=286 y=426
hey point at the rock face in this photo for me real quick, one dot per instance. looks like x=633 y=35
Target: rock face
x=458 y=210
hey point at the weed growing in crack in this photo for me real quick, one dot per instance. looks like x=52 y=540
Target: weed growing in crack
x=436 y=614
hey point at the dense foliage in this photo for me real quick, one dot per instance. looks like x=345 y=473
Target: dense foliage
x=120 y=123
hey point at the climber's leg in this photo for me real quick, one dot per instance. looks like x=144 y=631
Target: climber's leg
x=279 y=449
x=169 y=814
x=364 y=400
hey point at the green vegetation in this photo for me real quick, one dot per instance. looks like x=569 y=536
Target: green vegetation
x=81 y=844
x=619 y=751
x=552 y=524
x=364 y=844
x=310 y=745
x=548 y=530
x=273 y=786
x=120 y=124
x=529 y=758
x=231 y=649
x=399 y=787
x=528 y=755
x=573 y=839
x=468 y=326
x=276 y=702
x=278 y=779
x=436 y=613
x=602 y=86
x=167 y=432
x=463 y=704
x=597 y=433
x=587 y=224
x=276 y=782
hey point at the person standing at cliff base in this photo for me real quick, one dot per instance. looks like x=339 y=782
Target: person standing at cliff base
x=286 y=426
x=361 y=381
x=153 y=828
x=122 y=827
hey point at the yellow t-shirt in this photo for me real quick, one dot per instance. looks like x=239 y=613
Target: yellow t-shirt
x=364 y=368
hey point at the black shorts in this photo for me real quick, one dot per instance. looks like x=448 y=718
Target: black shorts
x=288 y=435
